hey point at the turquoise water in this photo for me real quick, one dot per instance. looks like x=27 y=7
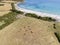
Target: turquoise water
x=47 y=6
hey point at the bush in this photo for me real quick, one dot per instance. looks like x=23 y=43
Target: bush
x=39 y=17
x=19 y=12
x=47 y=19
x=31 y=15
x=54 y=26
x=8 y=19
x=57 y=35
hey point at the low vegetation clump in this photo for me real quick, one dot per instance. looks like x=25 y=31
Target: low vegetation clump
x=8 y=19
x=1 y=4
x=47 y=18
x=39 y=17
x=57 y=35
x=1 y=23
x=31 y=15
x=19 y=12
x=56 y=27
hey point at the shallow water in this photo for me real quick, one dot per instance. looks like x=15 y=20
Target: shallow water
x=48 y=6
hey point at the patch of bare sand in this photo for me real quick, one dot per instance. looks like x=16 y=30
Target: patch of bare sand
x=5 y=9
x=4 y=12
x=28 y=31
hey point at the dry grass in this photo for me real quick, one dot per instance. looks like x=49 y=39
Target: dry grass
x=28 y=31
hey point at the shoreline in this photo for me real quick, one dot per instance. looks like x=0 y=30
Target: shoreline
x=57 y=17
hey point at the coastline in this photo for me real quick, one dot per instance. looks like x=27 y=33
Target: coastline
x=57 y=17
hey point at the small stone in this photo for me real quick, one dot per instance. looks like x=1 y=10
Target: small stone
x=31 y=32
x=20 y=29
x=29 y=29
x=28 y=26
x=26 y=30
x=24 y=27
x=24 y=33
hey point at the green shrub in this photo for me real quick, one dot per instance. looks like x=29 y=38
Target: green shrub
x=31 y=15
x=8 y=19
x=47 y=18
x=39 y=17
x=54 y=26
x=57 y=35
x=19 y=12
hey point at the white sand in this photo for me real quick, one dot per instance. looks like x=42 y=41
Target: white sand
x=57 y=17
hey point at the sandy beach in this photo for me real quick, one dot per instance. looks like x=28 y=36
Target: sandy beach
x=57 y=17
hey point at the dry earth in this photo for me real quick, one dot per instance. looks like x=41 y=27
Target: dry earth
x=28 y=31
